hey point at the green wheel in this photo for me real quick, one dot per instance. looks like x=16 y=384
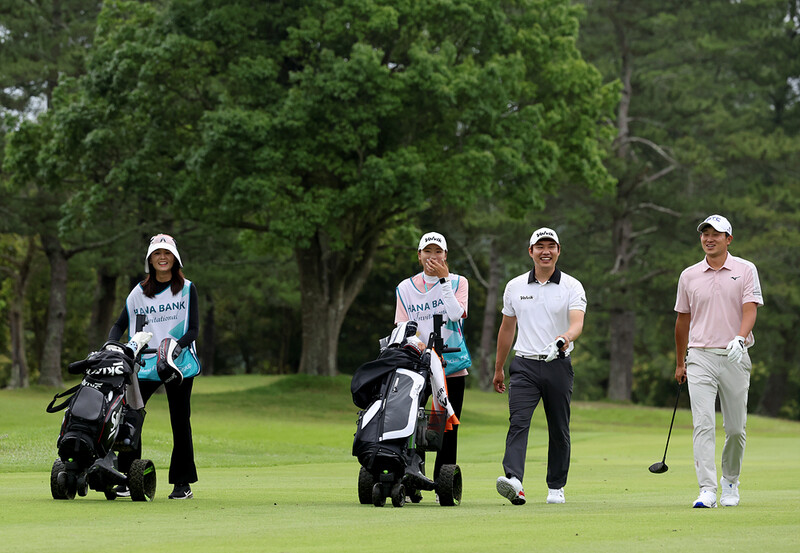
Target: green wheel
x=142 y=480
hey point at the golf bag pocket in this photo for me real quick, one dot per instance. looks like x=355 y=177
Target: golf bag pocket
x=130 y=431
x=91 y=422
x=430 y=430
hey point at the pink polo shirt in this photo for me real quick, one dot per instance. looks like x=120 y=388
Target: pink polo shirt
x=715 y=299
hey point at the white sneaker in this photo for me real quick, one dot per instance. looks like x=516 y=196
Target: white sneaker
x=706 y=500
x=729 y=494
x=511 y=489
x=555 y=496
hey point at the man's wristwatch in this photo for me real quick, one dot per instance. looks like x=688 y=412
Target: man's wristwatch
x=442 y=280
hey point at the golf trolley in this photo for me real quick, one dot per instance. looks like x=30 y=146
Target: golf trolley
x=395 y=429
x=99 y=420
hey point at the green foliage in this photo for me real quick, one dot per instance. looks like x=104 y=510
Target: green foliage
x=41 y=42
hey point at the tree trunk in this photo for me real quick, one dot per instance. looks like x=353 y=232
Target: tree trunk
x=488 y=334
x=207 y=345
x=623 y=317
x=16 y=325
x=329 y=283
x=50 y=365
x=20 y=375
x=103 y=315
x=623 y=331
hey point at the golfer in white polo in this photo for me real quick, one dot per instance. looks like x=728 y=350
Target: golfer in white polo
x=546 y=305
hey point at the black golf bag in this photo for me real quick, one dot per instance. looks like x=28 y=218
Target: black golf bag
x=395 y=429
x=99 y=420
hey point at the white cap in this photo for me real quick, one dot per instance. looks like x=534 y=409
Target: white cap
x=720 y=224
x=432 y=238
x=544 y=233
x=161 y=242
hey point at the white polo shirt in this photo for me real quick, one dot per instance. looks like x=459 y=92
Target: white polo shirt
x=542 y=310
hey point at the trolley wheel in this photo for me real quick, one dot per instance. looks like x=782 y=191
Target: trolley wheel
x=111 y=494
x=414 y=495
x=378 y=499
x=142 y=480
x=58 y=483
x=448 y=485
x=365 y=483
x=83 y=487
x=398 y=495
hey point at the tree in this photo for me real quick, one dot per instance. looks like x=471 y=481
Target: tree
x=323 y=126
x=703 y=85
x=43 y=42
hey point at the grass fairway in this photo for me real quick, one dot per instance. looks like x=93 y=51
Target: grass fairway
x=276 y=475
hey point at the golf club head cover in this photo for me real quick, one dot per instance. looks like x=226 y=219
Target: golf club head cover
x=139 y=341
x=166 y=368
x=398 y=335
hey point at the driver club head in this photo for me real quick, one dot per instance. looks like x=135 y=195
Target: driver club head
x=659 y=468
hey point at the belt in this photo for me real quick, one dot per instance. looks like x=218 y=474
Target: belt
x=537 y=357
x=716 y=351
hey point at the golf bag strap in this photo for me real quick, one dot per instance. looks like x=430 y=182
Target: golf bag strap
x=60 y=406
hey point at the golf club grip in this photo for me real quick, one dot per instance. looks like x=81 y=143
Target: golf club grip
x=451 y=350
x=559 y=345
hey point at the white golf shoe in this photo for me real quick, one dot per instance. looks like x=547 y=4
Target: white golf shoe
x=729 y=496
x=706 y=500
x=555 y=496
x=511 y=489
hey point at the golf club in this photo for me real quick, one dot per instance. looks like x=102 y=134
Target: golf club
x=661 y=466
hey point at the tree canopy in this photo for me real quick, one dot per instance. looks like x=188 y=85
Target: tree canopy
x=323 y=125
x=297 y=151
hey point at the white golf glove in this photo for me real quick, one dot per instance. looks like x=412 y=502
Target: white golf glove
x=736 y=349
x=552 y=352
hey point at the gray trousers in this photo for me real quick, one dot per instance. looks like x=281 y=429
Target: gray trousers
x=531 y=381
x=709 y=374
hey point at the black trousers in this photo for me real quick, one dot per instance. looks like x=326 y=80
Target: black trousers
x=182 y=469
x=529 y=382
x=448 y=453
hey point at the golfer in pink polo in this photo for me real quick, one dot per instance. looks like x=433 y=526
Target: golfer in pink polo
x=716 y=305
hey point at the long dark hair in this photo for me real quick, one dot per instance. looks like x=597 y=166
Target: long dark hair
x=150 y=284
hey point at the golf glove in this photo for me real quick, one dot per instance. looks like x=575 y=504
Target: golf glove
x=552 y=352
x=736 y=349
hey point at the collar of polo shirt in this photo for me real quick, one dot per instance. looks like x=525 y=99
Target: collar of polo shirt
x=555 y=279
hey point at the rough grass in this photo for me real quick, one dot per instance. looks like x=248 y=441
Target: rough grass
x=276 y=474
